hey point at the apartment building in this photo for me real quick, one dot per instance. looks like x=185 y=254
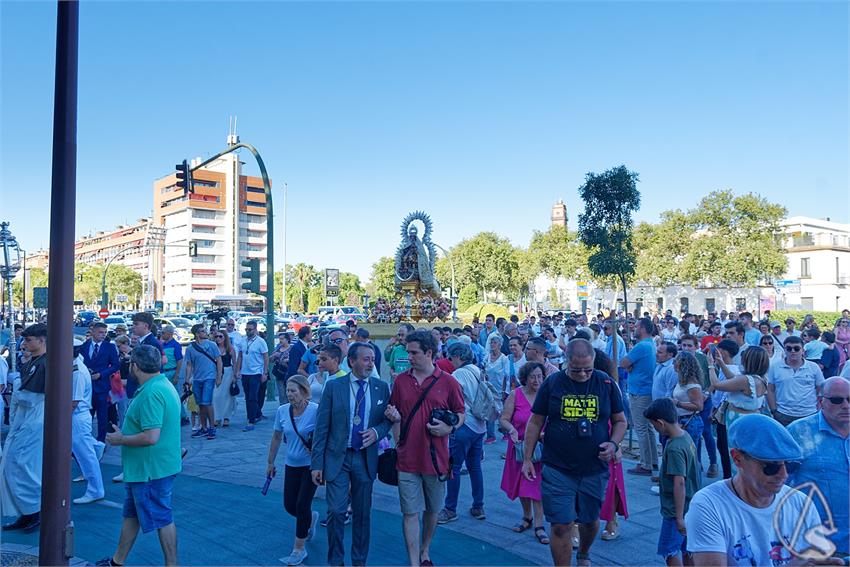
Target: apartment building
x=224 y=220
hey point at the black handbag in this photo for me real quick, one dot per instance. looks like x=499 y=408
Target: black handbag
x=388 y=460
x=234 y=388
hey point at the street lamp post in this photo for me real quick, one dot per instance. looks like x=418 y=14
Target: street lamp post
x=283 y=271
x=10 y=267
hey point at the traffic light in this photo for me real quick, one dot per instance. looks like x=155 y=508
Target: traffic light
x=193 y=248
x=252 y=275
x=184 y=177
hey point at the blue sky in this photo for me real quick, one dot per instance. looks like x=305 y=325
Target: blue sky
x=482 y=114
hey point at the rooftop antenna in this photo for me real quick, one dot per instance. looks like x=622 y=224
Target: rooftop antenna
x=232 y=137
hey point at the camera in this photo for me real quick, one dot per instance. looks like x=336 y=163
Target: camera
x=440 y=414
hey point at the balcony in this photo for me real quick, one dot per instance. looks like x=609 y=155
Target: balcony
x=800 y=241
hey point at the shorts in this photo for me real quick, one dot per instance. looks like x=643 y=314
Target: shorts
x=203 y=390
x=149 y=502
x=418 y=492
x=670 y=541
x=569 y=498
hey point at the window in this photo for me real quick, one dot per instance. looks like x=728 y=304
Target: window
x=740 y=304
x=710 y=305
x=256 y=190
x=204 y=229
x=254 y=204
x=253 y=218
x=805 y=268
x=683 y=304
x=204 y=183
x=205 y=243
x=807 y=303
x=204 y=214
x=660 y=304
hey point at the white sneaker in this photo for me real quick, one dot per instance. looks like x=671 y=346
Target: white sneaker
x=118 y=478
x=294 y=558
x=86 y=499
x=80 y=478
x=315 y=522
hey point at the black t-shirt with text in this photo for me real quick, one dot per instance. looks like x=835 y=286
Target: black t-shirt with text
x=565 y=403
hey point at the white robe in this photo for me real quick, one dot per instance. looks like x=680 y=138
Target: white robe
x=82 y=442
x=20 y=465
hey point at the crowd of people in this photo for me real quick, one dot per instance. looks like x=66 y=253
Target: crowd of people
x=767 y=405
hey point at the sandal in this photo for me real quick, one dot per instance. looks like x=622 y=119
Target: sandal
x=523 y=525
x=540 y=534
x=582 y=559
x=609 y=534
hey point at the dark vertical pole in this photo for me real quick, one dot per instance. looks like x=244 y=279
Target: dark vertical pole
x=24 y=318
x=56 y=470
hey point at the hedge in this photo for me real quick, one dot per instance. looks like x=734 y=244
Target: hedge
x=825 y=319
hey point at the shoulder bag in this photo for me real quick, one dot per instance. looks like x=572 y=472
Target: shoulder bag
x=308 y=442
x=388 y=460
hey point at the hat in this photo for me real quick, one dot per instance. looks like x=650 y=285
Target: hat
x=763 y=438
x=774 y=324
x=790 y=320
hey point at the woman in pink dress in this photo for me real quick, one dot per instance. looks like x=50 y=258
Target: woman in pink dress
x=514 y=418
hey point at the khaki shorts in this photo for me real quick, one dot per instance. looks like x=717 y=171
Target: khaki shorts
x=420 y=492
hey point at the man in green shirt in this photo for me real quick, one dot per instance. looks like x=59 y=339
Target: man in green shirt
x=395 y=352
x=150 y=454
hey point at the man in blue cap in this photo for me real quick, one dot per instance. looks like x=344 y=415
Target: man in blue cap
x=754 y=518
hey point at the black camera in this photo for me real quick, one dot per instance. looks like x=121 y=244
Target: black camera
x=449 y=418
x=584 y=427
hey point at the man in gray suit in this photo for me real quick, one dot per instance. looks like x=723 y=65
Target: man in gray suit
x=345 y=450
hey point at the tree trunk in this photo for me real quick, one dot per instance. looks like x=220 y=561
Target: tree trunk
x=625 y=296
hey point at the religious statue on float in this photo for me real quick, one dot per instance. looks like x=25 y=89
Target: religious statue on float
x=415 y=259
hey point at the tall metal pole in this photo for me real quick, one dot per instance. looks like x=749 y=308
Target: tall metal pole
x=283 y=300
x=56 y=537
x=24 y=313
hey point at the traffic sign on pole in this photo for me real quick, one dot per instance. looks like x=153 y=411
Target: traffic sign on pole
x=103 y=313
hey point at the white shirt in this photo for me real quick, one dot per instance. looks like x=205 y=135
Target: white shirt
x=796 y=390
x=91 y=347
x=720 y=522
x=237 y=340
x=81 y=386
x=252 y=356
x=367 y=402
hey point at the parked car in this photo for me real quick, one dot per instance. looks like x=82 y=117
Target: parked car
x=84 y=318
x=182 y=328
x=112 y=321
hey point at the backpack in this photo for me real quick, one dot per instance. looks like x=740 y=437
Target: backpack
x=487 y=404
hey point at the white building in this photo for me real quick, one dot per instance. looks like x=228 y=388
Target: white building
x=225 y=218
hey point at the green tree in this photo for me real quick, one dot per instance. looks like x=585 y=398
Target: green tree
x=487 y=261
x=350 y=290
x=303 y=277
x=558 y=253
x=382 y=281
x=606 y=225
x=467 y=297
x=36 y=277
x=121 y=279
x=315 y=299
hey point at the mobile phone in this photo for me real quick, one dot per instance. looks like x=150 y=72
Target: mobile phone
x=267 y=484
x=712 y=348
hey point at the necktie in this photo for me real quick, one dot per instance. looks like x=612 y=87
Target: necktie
x=96 y=350
x=359 y=416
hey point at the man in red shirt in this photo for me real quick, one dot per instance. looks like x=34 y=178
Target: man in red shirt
x=715 y=330
x=416 y=393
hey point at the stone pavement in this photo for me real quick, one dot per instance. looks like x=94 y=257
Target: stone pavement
x=223 y=519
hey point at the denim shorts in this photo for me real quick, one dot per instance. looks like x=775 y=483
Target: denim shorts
x=569 y=498
x=149 y=502
x=203 y=390
x=670 y=541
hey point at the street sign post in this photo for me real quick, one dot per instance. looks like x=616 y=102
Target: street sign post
x=103 y=313
x=121 y=298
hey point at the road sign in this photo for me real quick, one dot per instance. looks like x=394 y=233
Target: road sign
x=788 y=286
x=39 y=297
x=121 y=298
x=582 y=290
x=331 y=281
x=103 y=313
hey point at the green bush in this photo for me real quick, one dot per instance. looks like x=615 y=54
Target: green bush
x=467 y=298
x=825 y=319
x=482 y=309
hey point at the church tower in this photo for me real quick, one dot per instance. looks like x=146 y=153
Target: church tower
x=559 y=214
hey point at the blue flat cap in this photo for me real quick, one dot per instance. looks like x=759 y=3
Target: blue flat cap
x=763 y=438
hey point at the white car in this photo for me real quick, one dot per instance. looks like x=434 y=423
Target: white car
x=113 y=321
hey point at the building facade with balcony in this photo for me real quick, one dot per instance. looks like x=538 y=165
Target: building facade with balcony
x=225 y=218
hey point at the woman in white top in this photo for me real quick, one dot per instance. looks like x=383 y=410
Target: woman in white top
x=744 y=392
x=688 y=396
x=294 y=424
x=497 y=371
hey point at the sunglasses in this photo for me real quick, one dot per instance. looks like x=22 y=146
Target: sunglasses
x=767 y=343
x=580 y=370
x=838 y=400
x=770 y=468
x=793 y=348
x=337 y=341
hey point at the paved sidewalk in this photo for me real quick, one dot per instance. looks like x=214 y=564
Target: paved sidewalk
x=223 y=519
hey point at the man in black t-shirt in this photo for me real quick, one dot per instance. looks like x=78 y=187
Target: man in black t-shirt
x=576 y=407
